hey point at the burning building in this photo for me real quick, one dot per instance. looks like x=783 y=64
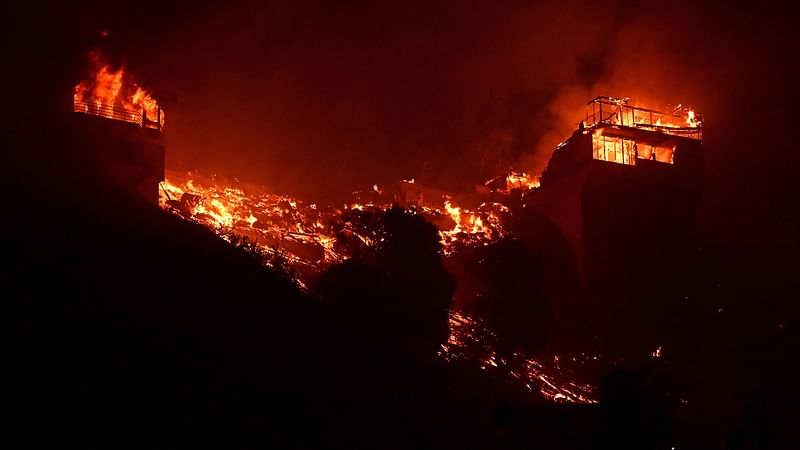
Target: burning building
x=622 y=190
x=118 y=130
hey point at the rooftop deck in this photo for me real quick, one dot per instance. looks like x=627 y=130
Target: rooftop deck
x=610 y=111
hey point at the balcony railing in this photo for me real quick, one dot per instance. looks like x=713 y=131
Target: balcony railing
x=112 y=112
x=613 y=111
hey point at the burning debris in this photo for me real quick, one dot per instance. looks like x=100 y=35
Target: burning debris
x=551 y=377
x=522 y=181
x=513 y=181
x=308 y=232
x=313 y=237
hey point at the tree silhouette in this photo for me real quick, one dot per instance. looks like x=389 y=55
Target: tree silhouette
x=510 y=299
x=396 y=290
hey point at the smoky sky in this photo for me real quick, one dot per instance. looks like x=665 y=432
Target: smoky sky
x=317 y=98
x=324 y=96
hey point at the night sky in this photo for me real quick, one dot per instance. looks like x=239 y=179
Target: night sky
x=317 y=98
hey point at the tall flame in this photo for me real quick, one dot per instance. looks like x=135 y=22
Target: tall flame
x=691 y=119
x=108 y=92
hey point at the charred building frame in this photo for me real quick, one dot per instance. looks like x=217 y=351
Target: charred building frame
x=623 y=191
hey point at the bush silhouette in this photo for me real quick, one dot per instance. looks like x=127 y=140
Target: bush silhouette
x=397 y=290
x=510 y=300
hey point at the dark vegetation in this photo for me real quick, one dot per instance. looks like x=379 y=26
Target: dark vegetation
x=132 y=326
x=396 y=291
x=511 y=300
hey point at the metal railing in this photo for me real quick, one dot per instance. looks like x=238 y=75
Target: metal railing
x=112 y=112
x=614 y=111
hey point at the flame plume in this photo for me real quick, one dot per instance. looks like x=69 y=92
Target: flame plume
x=109 y=93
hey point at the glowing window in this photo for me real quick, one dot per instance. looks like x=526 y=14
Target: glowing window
x=626 y=151
x=614 y=149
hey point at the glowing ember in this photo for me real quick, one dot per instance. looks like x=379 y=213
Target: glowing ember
x=656 y=353
x=273 y=222
x=469 y=339
x=470 y=228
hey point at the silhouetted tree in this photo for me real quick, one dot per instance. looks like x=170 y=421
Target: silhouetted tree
x=574 y=320
x=510 y=299
x=396 y=290
x=359 y=296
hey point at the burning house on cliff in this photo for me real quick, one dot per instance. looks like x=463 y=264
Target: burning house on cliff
x=623 y=191
x=626 y=175
x=118 y=130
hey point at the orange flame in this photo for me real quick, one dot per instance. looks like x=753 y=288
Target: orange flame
x=275 y=219
x=108 y=93
x=521 y=180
